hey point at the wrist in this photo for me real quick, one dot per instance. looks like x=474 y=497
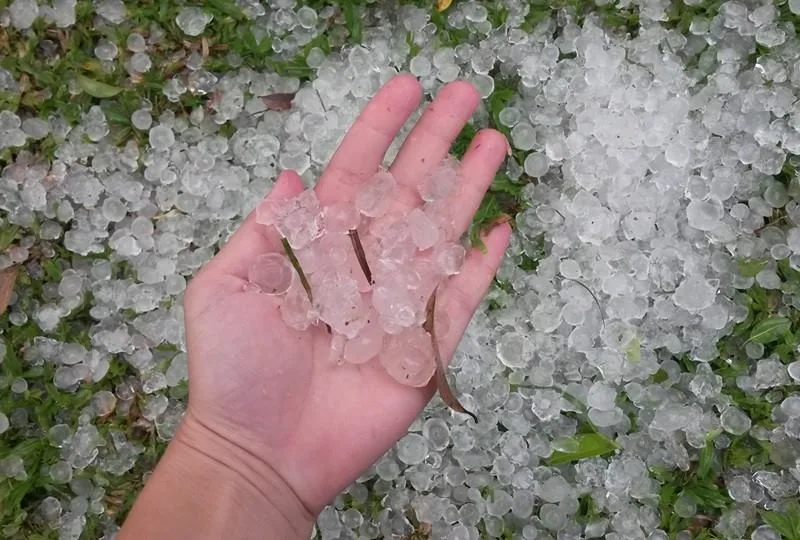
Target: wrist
x=250 y=483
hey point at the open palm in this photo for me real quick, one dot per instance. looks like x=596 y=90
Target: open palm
x=270 y=389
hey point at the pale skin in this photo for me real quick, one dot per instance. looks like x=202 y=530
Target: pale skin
x=274 y=430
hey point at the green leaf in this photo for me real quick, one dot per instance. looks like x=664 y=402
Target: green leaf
x=659 y=376
x=634 y=350
x=786 y=523
x=353 y=21
x=707 y=496
x=502 y=183
x=96 y=88
x=463 y=140
x=8 y=233
x=666 y=499
x=586 y=445
x=770 y=329
x=228 y=8
x=706 y=460
x=488 y=212
x=52 y=270
x=751 y=267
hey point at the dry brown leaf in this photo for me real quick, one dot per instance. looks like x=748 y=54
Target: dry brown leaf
x=445 y=392
x=278 y=102
x=442 y=5
x=8 y=276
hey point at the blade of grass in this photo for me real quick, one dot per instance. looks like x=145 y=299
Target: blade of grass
x=441 y=376
x=299 y=269
x=360 y=255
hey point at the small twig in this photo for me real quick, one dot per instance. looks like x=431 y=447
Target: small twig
x=445 y=391
x=296 y=264
x=596 y=301
x=360 y=255
x=321 y=102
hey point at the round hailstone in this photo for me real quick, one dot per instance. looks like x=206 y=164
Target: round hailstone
x=299 y=219
x=13 y=467
x=685 y=507
x=765 y=532
x=19 y=385
x=340 y=218
x=62 y=13
x=677 y=154
x=449 y=258
x=484 y=84
x=103 y=403
x=35 y=128
x=794 y=370
x=374 y=198
x=3 y=423
x=105 y=50
x=791 y=406
x=735 y=421
x=71 y=284
x=408 y=357
x=694 y=294
x=140 y=63
x=367 y=344
x=50 y=509
x=441 y=183
x=59 y=435
x=512 y=350
x=420 y=66
x=601 y=396
x=136 y=43
x=437 y=432
x=536 y=165
x=704 y=215
x=61 y=472
x=306 y=17
x=161 y=138
x=271 y=273
x=23 y=13
x=412 y=449
x=523 y=136
x=79 y=505
x=296 y=310
x=424 y=232
x=509 y=116
x=192 y=20
x=113 y=11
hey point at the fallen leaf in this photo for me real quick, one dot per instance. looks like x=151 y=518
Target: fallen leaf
x=445 y=392
x=96 y=88
x=586 y=445
x=278 y=102
x=7 y=278
x=442 y=5
x=770 y=329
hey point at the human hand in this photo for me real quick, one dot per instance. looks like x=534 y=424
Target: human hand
x=268 y=393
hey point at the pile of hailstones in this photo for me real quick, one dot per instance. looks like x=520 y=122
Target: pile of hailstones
x=369 y=270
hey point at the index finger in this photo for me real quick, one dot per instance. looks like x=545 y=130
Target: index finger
x=364 y=146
